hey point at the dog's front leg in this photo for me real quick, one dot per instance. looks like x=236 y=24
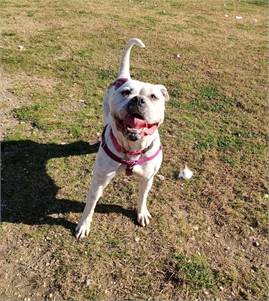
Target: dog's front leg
x=143 y=214
x=99 y=182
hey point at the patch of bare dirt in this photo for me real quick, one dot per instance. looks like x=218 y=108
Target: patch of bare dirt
x=8 y=102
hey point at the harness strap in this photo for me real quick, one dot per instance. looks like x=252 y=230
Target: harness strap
x=129 y=163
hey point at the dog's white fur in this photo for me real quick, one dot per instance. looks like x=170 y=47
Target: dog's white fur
x=106 y=168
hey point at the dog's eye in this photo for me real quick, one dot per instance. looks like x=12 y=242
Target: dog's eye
x=126 y=93
x=153 y=96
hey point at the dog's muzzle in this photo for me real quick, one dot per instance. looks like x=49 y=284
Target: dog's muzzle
x=135 y=105
x=134 y=126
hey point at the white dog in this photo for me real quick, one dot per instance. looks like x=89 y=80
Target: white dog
x=133 y=111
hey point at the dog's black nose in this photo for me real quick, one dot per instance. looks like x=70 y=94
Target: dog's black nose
x=139 y=100
x=135 y=103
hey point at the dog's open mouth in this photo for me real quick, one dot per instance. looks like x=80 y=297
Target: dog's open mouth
x=135 y=124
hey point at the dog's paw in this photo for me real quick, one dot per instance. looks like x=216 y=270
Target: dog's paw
x=143 y=217
x=82 y=230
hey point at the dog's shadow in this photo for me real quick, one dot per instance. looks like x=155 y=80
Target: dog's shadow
x=28 y=193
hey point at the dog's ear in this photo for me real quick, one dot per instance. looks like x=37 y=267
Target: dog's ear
x=164 y=92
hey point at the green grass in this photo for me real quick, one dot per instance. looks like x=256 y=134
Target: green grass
x=193 y=272
x=208 y=236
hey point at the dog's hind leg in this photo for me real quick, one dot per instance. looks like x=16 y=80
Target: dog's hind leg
x=99 y=182
x=143 y=214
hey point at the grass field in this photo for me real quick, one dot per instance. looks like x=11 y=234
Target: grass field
x=208 y=236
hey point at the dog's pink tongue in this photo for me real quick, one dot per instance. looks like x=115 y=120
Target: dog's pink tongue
x=135 y=123
x=150 y=130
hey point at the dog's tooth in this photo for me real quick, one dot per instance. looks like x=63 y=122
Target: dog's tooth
x=134 y=130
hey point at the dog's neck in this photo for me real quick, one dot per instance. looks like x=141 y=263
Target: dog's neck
x=129 y=145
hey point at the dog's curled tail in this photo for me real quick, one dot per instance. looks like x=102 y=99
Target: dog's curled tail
x=125 y=60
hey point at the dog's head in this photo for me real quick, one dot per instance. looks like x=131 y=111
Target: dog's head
x=137 y=108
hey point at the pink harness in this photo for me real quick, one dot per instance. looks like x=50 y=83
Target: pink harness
x=129 y=163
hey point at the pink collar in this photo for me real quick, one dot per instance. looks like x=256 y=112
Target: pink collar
x=129 y=163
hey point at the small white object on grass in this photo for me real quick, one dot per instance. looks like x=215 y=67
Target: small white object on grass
x=161 y=177
x=238 y=17
x=195 y=228
x=185 y=174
